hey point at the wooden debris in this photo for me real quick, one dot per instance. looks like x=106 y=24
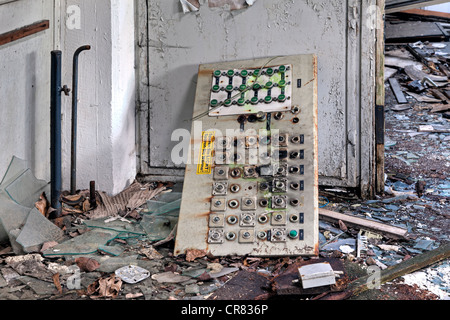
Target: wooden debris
x=415 y=74
x=24 y=31
x=57 y=283
x=397 y=91
x=405 y=267
x=87 y=264
x=440 y=108
x=423 y=98
x=193 y=254
x=436 y=129
x=356 y=222
x=151 y=253
x=43 y=205
x=413 y=31
x=439 y=95
x=245 y=285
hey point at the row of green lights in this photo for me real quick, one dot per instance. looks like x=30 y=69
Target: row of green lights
x=245 y=73
x=256 y=86
x=254 y=100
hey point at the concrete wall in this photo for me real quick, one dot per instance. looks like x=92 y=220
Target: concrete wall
x=106 y=106
x=25 y=87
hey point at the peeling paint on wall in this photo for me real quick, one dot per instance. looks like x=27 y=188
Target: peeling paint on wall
x=190 y=5
x=231 y=4
x=179 y=43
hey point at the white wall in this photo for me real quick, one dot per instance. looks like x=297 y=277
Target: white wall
x=25 y=87
x=106 y=106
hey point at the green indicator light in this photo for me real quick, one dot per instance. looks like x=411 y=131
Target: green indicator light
x=254 y=100
x=216 y=88
x=256 y=72
x=243 y=87
x=269 y=72
x=293 y=234
x=282 y=69
x=217 y=73
x=268 y=99
x=256 y=86
x=230 y=73
x=227 y=103
x=241 y=102
x=269 y=85
x=244 y=73
x=229 y=88
x=214 y=103
x=282 y=84
x=281 y=98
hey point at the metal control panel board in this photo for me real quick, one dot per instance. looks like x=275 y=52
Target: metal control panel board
x=251 y=183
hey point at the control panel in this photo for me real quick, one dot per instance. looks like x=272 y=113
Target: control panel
x=251 y=183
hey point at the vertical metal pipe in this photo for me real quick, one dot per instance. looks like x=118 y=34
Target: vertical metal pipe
x=92 y=196
x=73 y=166
x=55 y=128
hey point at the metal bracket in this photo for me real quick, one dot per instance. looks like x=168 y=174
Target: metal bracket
x=379 y=124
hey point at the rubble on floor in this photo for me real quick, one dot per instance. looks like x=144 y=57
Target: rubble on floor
x=121 y=247
x=125 y=256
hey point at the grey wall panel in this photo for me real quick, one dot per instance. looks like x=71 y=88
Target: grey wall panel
x=178 y=43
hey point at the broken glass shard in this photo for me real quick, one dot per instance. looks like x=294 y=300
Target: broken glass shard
x=38 y=230
x=12 y=216
x=167 y=207
x=20 y=184
x=424 y=244
x=168 y=196
x=162 y=200
x=117 y=226
x=112 y=250
x=158 y=227
x=86 y=243
x=341 y=242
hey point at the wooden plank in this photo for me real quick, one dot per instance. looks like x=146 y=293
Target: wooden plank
x=397 y=91
x=380 y=96
x=440 y=108
x=401 y=5
x=434 y=129
x=351 y=221
x=411 y=265
x=445 y=70
x=24 y=32
x=413 y=31
x=447 y=93
x=439 y=95
x=427 y=13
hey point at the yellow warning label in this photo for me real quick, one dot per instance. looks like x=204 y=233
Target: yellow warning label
x=206 y=154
